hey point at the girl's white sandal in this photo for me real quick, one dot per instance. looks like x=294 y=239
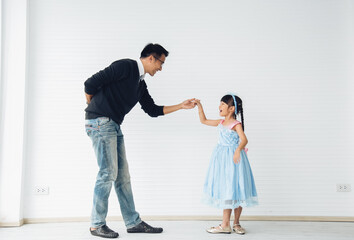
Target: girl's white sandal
x=238 y=229
x=219 y=229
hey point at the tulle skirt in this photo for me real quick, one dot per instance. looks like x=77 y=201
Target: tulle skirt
x=229 y=185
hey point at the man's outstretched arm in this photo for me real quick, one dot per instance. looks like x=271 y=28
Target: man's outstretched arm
x=187 y=104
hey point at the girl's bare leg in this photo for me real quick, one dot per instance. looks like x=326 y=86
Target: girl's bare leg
x=238 y=212
x=226 y=218
x=236 y=226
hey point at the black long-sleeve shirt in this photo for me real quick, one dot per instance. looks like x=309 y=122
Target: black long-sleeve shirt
x=116 y=90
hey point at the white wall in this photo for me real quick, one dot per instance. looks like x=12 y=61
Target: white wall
x=290 y=61
x=12 y=108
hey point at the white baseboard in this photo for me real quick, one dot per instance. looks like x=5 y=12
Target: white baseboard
x=190 y=218
x=12 y=224
x=183 y=218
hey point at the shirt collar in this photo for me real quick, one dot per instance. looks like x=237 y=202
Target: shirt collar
x=141 y=69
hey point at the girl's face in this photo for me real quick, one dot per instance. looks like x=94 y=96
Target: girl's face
x=225 y=110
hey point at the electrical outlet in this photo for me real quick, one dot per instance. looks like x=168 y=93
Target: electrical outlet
x=344 y=188
x=41 y=190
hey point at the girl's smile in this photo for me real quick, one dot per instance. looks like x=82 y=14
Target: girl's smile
x=223 y=109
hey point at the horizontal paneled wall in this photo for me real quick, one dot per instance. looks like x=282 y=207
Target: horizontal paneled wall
x=290 y=61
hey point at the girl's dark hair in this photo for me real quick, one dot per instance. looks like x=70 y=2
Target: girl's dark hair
x=153 y=49
x=229 y=100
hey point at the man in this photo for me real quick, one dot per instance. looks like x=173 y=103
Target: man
x=110 y=95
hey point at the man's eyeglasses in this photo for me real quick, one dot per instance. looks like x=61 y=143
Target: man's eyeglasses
x=162 y=62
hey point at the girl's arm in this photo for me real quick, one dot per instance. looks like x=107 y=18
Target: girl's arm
x=243 y=142
x=202 y=117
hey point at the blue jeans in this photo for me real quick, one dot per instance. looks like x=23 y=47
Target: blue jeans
x=108 y=143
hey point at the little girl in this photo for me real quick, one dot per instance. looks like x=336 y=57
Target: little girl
x=229 y=182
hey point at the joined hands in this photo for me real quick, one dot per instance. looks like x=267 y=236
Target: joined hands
x=189 y=103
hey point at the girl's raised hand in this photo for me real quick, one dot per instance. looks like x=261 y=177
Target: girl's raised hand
x=237 y=157
x=197 y=101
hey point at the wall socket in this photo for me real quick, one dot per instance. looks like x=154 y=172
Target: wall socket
x=344 y=188
x=41 y=190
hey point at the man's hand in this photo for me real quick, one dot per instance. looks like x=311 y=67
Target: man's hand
x=88 y=98
x=188 y=104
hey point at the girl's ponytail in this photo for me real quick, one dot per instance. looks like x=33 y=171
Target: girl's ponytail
x=240 y=110
x=242 y=121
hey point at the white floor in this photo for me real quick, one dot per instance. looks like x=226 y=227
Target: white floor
x=185 y=230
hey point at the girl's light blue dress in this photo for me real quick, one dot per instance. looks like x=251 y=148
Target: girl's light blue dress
x=229 y=185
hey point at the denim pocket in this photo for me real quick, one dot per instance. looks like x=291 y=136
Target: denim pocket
x=89 y=128
x=95 y=126
x=102 y=121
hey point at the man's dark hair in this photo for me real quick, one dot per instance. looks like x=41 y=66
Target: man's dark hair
x=153 y=49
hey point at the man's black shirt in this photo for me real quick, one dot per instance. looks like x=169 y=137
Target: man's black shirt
x=116 y=90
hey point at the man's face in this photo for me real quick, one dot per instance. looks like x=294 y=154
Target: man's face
x=156 y=64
